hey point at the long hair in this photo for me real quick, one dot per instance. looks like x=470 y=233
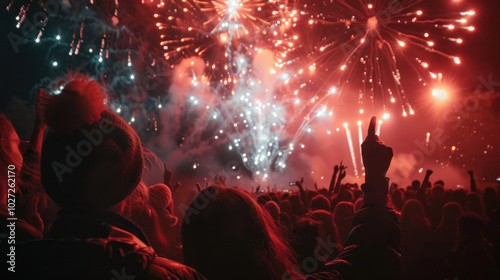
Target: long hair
x=413 y=216
x=342 y=216
x=328 y=225
x=227 y=235
x=134 y=204
x=450 y=214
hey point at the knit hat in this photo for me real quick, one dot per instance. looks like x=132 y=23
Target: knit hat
x=91 y=158
x=160 y=196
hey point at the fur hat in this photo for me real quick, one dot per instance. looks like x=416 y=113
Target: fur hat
x=91 y=158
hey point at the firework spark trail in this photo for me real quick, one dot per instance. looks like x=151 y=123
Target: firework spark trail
x=360 y=141
x=351 y=149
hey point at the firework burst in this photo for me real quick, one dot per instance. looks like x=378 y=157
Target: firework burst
x=367 y=46
x=217 y=31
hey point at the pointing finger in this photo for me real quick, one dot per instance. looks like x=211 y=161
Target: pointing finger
x=371 y=128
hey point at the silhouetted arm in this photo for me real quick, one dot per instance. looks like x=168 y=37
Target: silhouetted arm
x=376 y=159
x=341 y=177
x=372 y=249
x=421 y=192
x=302 y=194
x=473 y=186
x=332 y=182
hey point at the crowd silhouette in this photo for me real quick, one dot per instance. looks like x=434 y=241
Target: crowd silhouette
x=84 y=211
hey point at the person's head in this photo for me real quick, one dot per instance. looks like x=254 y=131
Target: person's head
x=451 y=212
x=160 y=198
x=409 y=194
x=344 y=210
x=413 y=208
x=438 y=192
x=474 y=203
x=320 y=202
x=345 y=195
x=342 y=216
x=284 y=196
x=304 y=240
x=273 y=209
x=359 y=203
x=286 y=207
x=459 y=196
x=357 y=193
x=471 y=225
x=439 y=183
x=227 y=235
x=490 y=200
x=263 y=199
x=297 y=206
x=397 y=199
x=274 y=197
x=311 y=194
x=327 y=226
x=415 y=185
x=91 y=158
x=413 y=215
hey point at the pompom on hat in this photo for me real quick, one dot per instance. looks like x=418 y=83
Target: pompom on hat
x=91 y=158
x=160 y=196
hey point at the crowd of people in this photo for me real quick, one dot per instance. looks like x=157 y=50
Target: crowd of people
x=83 y=210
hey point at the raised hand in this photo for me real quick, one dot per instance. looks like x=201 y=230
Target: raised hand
x=221 y=180
x=299 y=183
x=473 y=185
x=342 y=167
x=177 y=185
x=376 y=156
x=376 y=159
x=167 y=175
x=302 y=193
x=331 y=188
x=341 y=174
